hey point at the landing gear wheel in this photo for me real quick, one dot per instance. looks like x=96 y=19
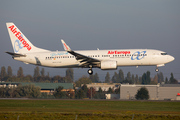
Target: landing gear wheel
x=90 y=71
x=157 y=70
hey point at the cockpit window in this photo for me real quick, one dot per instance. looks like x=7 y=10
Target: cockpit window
x=163 y=53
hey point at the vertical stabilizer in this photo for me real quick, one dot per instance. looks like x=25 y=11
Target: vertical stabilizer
x=19 y=41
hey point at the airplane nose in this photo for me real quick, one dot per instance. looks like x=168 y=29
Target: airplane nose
x=170 y=58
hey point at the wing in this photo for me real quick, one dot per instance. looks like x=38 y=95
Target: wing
x=83 y=59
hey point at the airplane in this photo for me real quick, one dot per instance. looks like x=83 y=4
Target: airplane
x=26 y=52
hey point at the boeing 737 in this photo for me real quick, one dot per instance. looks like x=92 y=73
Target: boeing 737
x=26 y=52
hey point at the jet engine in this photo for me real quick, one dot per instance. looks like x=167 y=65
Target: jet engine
x=109 y=65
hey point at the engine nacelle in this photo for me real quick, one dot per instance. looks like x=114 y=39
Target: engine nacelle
x=109 y=65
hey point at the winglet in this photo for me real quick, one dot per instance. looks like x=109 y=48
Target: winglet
x=66 y=47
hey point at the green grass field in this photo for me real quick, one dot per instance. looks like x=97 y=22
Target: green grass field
x=88 y=109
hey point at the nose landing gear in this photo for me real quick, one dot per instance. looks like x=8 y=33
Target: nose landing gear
x=157 y=70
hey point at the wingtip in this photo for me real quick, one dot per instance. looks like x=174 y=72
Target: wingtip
x=62 y=41
x=66 y=47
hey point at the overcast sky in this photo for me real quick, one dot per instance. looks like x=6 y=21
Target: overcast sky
x=92 y=24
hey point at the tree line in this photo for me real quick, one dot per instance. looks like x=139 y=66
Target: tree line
x=135 y=79
x=39 y=76
x=130 y=78
x=118 y=77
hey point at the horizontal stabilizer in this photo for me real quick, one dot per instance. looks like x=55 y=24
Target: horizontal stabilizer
x=15 y=54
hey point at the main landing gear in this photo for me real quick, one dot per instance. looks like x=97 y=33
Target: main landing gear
x=90 y=71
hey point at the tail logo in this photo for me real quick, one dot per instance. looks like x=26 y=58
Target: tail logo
x=20 y=40
x=17 y=45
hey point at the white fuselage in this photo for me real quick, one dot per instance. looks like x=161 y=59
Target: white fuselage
x=124 y=57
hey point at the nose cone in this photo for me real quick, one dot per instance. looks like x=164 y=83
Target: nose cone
x=170 y=58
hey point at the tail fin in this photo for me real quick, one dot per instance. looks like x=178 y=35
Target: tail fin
x=19 y=41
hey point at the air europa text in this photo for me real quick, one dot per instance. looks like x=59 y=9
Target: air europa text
x=19 y=36
x=119 y=52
